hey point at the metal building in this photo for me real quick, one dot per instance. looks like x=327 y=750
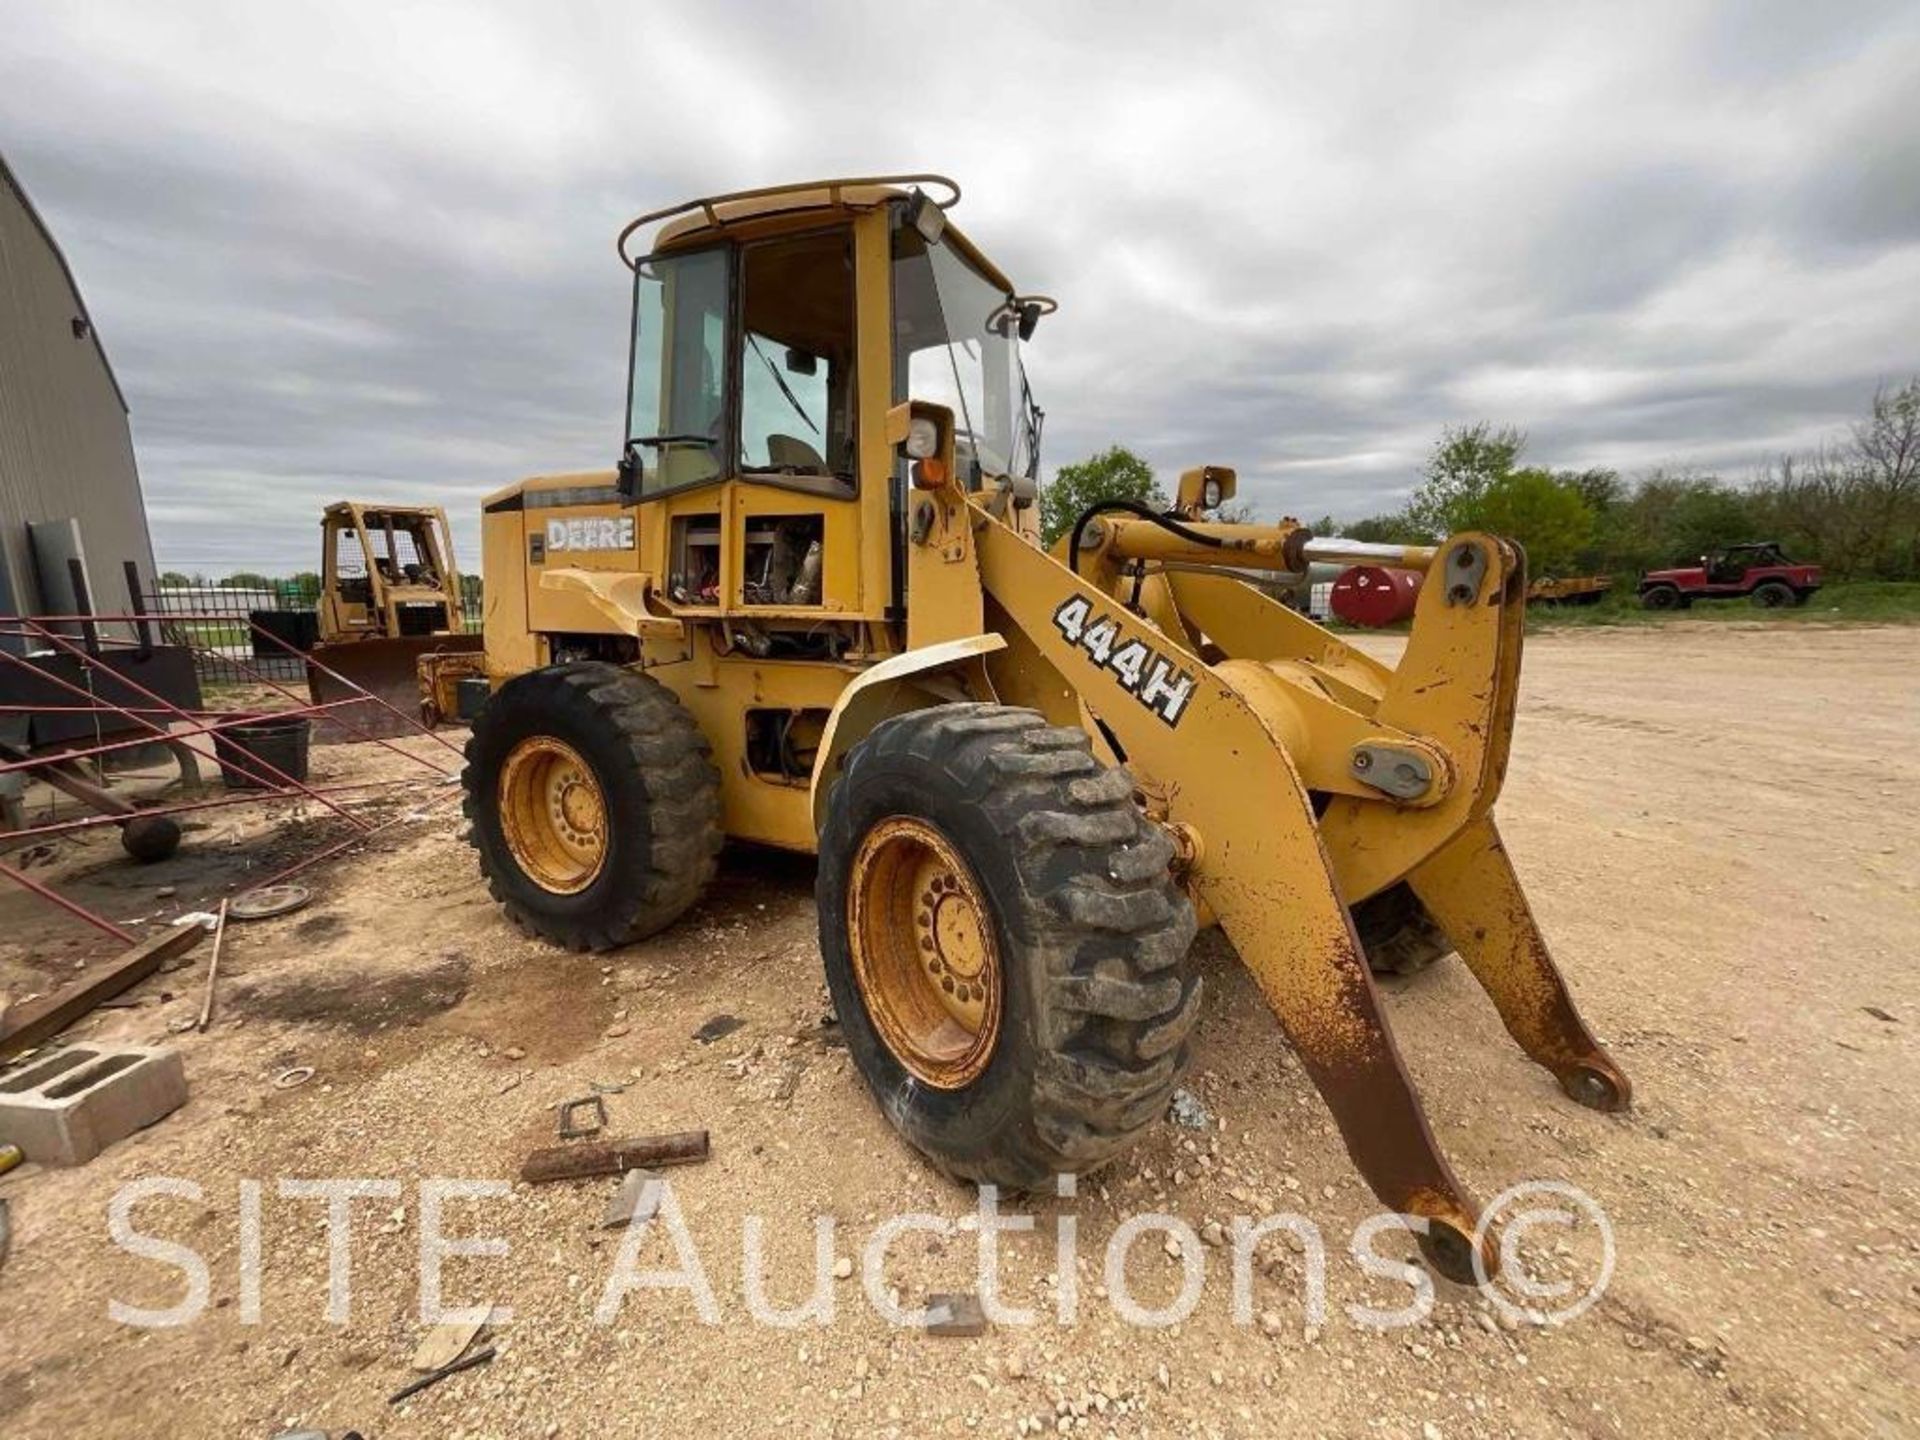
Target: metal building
x=68 y=485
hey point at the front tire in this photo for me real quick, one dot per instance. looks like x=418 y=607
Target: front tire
x=1004 y=943
x=594 y=804
x=1660 y=597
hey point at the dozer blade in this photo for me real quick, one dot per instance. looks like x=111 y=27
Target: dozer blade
x=377 y=682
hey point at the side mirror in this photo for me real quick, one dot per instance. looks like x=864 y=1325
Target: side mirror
x=629 y=471
x=1029 y=319
x=926 y=217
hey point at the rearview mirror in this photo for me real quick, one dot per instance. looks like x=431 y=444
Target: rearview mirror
x=799 y=362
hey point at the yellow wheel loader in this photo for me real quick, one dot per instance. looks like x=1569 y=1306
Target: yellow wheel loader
x=389 y=599
x=810 y=609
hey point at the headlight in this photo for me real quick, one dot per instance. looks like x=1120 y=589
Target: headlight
x=1210 y=495
x=923 y=438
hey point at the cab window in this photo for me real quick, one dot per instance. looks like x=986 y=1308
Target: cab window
x=676 y=411
x=795 y=359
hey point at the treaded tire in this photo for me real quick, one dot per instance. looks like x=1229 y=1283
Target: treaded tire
x=1661 y=597
x=657 y=781
x=1399 y=936
x=1093 y=934
x=1773 y=595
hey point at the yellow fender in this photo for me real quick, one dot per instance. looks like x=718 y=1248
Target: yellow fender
x=929 y=675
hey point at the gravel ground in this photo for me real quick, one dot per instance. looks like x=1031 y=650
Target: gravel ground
x=1717 y=826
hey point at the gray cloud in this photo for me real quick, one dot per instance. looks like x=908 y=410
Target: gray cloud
x=367 y=250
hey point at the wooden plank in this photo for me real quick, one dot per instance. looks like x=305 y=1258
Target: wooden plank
x=37 y=1021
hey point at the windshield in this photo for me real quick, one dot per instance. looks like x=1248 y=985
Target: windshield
x=955 y=344
x=676 y=404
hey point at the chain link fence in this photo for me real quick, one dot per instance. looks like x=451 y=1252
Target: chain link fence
x=218 y=622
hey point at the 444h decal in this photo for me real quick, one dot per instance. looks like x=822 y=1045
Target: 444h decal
x=1152 y=679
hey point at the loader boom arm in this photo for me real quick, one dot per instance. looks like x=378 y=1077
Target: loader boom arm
x=1408 y=761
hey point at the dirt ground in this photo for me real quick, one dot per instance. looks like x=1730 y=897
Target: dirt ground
x=1718 y=827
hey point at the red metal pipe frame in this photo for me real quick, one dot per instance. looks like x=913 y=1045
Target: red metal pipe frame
x=78 y=911
x=227 y=719
x=39 y=622
x=37 y=629
x=288 y=782
x=187 y=807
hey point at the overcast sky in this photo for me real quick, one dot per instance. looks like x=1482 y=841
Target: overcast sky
x=367 y=250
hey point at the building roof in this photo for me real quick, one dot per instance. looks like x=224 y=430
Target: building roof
x=12 y=182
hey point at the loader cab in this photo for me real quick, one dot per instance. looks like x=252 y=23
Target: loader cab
x=770 y=339
x=386 y=571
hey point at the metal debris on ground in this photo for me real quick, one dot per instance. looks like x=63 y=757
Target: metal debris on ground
x=466 y=1362
x=574 y=1128
x=718 y=1028
x=213 y=967
x=1187 y=1111
x=447 y=1342
x=266 y=901
x=638 y=1198
x=578 y=1162
x=10 y=1156
x=955 y=1314
x=289 y=1079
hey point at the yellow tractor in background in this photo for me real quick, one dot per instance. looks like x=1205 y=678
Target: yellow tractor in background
x=809 y=608
x=389 y=599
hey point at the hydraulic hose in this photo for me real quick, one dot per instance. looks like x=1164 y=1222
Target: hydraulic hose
x=1132 y=507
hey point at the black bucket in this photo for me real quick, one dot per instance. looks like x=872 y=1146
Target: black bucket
x=280 y=741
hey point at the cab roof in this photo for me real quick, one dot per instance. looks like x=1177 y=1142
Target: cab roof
x=711 y=217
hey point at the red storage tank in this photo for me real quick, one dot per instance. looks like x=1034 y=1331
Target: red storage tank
x=1375 y=595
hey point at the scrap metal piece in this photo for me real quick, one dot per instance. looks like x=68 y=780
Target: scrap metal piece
x=718 y=1027
x=956 y=1314
x=263 y=902
x=637 y=1198
x=447 y=1342
x=577 y=1162
x=593 y=1106
x=289 y=1079
x=466 y=1362
x=213 y=967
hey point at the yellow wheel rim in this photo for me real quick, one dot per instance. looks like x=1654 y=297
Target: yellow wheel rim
x=924 y=953
x=552 y=815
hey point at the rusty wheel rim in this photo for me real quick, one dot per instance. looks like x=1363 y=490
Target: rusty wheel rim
x=552 y=815
x=924 y=953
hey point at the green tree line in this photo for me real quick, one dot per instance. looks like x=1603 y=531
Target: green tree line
x=1853 y=506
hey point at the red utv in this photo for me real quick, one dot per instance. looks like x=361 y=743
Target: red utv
x=1759 y=571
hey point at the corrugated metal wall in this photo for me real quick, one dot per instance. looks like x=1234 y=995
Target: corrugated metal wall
x=65 y=447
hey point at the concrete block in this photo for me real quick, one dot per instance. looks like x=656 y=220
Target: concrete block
x=67 y=1107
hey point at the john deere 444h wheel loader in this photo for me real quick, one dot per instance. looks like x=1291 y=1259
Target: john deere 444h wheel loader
x=810 y=609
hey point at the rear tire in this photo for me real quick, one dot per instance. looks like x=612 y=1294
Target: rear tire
x=1773 y=595
x=634 y=779
x=1091 y=996
x=1397 y=932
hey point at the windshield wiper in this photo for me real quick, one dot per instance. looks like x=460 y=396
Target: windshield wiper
x=706 y=440
x=781 y=381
